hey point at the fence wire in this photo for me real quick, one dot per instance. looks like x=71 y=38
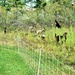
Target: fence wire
x=42 y=63
x=39 y=62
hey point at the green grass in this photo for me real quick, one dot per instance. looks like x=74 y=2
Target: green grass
x=11 y=63
x=26 y=62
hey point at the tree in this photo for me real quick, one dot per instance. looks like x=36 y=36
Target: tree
x=40 y=4
x=6 y=5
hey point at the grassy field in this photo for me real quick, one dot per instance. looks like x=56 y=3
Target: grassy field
x=26 y=62
x=11 y=63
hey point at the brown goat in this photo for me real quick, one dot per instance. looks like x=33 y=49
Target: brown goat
x=59 y=38
x=57 y=24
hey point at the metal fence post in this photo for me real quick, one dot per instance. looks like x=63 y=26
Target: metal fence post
x=69 y=71
x=18 y=45
x=39 y=62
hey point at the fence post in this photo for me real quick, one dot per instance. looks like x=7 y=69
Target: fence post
x=17 y=38
x=53 y=62
x=39 y=62
x=18 y=45
x=69 y=71
x=62 y=68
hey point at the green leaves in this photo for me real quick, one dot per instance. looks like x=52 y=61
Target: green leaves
x=18 y=3
x=11 y=3
x=40 y=4
x=6 y=4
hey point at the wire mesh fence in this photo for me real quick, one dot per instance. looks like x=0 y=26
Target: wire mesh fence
x=42 y=63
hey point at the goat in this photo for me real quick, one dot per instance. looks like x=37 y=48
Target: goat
x=40 y=31
x=57 y=24
x=61 y=38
